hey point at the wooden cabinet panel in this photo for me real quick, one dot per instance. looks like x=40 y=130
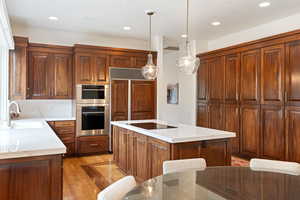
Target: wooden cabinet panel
x=123 y=152
x=202 y=115
x=116 y=131
x=84 y=68
x=232 y=78
x=39 y=69
x=216 y=153
x=272 y=75
x=250 y=130
x=202 y=81
x=143 y=100
x=272 y=132
x=141 y=61
x=216 y=116
x=131 y=153
x=159 y=152
x=292 y=73
x=92 y=144
x=141 y=157
x=293 y=133
x=100 y=68
x=63 y=73
x=119 y=100
x=216 y=79
x=121 y=61
x=18 y=70
x=232 y=124
x=250 y=77
x=32 y=178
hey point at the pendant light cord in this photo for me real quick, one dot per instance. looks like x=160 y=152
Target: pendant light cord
x=187 y=22
x=150 y=31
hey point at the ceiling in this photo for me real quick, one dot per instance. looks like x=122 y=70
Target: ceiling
x=108 y=17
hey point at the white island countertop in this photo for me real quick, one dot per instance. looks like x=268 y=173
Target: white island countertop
x=182 y=132
x=29 y=137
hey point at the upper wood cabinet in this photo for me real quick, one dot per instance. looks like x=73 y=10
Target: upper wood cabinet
x=202 y=115
x=119 y=100
x=292 y=96
x=141 y=61
x=272 y=132
x=232 y=78
x=216 y=79
x=250 y=77
x=292 y=126
x=216 y=112
x=18 y=69
x=272 y=75
x=143 y=100
x=50 y=72
x=250 y=130
x=202 y=81
x=121 y=61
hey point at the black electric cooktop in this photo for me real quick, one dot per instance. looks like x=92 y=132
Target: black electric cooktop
x=151 y=125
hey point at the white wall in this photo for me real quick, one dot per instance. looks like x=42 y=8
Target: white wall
x=50 y=36
x=275 y=27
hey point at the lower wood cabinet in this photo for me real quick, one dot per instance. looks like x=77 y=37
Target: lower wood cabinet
x=143 y=156
x=216 y=112
x=65 y=130
x=232 y=124
x=92 y=144
x=32 y=178
x=202 y=115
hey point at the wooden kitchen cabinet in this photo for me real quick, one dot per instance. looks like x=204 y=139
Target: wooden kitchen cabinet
x=272 y=75
x=250 y=77
x=250 y=130
x=232 y=78
x=216 y=113
x=50 y=72
x=119 y=100
x=123 y=151
x=142 y=165
x=18 y=69
x=123 y=61
x=216 y=80
x=272 y=132
x=31 y=178
x=202 y=115
x=202 y=81
x=232 y=124
x=143 y=100
x=87 y=145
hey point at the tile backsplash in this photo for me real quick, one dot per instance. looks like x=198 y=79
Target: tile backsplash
x=46 y=108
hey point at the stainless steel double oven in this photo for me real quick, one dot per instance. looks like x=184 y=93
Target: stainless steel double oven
x=92 y=110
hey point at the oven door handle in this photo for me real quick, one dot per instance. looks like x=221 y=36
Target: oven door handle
x=93 y=112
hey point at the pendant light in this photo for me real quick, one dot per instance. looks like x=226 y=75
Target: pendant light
x=150 y=70
x=188 y=63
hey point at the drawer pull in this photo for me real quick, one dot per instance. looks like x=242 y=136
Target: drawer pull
x=94 y=145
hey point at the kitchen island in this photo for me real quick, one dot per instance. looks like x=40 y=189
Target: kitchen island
x=141 y=146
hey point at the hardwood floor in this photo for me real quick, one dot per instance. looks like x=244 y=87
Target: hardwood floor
x=85 y=177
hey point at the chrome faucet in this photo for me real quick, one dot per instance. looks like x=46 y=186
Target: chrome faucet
x=13 y=114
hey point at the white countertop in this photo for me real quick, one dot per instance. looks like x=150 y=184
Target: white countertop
x=31 y=137
x=183 y=132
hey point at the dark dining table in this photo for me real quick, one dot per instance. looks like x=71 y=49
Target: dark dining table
x=216 y=183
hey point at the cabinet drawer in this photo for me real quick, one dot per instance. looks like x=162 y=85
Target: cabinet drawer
x=68 y=138
x=70 y=123
x=93 y=144
x=64 y=130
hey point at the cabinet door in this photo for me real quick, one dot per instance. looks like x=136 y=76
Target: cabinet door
x=39 y=70
x=18 y=73
x=250 y=130
x=216 y=153
x=292 y=85
x=232 y=123
x=232 y=78
x=216 y=79
x=84 y=68
x=140 y=61
x=123 y=153
x=143 y=100
x=141 y=157
x=119 y=100
x=158 y=153
x=116 y=144
x=131 y=149
x=272 y=75
x=202 y=115
x=202 y=81
x=121 y=61
x=216 y=116
x=293 y=133
x=250 y=77
x=100 y=68
x=272 y=132
x=61 y=84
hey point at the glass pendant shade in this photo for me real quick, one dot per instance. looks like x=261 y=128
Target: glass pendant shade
x=188 y=63
x=150 y=71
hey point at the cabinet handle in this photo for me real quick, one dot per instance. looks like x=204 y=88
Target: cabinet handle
x=94 y=145
x=285 y=96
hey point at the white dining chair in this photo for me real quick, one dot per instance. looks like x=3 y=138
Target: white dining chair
x=117 y=190
x=291 y=168
x=172 y=166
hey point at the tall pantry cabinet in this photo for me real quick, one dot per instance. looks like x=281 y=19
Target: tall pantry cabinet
x=253 y=89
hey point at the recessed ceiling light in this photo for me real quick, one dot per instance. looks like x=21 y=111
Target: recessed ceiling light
x=264 y=4
x=53 y=18
x=127 y=28
x=216 y=23
x=184 y=35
